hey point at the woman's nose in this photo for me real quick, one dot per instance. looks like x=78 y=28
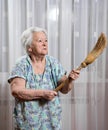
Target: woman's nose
x=44 y=43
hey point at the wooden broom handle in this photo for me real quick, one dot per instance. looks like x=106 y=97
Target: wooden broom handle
x=67 y=80
x=61 y=85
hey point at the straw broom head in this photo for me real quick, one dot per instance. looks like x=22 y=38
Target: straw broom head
x=96 y=51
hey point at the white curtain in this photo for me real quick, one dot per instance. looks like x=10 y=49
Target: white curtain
x=73 y=27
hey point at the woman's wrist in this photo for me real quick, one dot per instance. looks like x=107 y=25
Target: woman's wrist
x=70 y=80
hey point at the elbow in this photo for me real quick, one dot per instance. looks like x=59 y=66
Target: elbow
x=13 y=93
x=64 y=91
x=18 y=94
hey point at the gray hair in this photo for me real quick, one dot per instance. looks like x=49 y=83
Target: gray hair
x=26 y=37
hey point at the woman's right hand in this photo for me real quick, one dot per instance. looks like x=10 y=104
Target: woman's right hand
x=49 y=94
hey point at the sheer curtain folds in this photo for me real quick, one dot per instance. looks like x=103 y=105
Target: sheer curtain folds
x=73 y=27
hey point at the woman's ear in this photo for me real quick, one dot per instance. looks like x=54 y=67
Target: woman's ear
x=29 y=49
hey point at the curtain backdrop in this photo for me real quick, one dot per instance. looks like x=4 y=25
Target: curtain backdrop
x=73 y=27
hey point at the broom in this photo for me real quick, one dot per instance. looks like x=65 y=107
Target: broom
x=96 y=51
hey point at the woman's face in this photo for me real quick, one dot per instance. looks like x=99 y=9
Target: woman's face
x=39 y=44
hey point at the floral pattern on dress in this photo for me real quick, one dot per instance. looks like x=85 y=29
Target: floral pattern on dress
x=38 y=114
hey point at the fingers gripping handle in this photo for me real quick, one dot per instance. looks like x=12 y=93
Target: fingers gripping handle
x=67 y=80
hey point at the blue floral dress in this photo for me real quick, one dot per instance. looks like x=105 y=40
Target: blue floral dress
x=38 y=114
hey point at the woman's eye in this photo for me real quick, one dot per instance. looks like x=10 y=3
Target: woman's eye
x=46 y=40
x=40 y=41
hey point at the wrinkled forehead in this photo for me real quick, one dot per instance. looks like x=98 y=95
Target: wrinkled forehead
x=38 y=35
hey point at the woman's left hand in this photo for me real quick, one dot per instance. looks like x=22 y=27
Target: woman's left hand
x=74 y=74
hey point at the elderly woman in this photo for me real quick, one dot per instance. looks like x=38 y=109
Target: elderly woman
x=33 y=80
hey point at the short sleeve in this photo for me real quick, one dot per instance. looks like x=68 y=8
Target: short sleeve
x=18 y=71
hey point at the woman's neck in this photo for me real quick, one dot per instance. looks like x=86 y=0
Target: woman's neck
x=38 y=64
x=37 y=59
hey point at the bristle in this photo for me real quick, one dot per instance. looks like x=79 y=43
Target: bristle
x=96 y=51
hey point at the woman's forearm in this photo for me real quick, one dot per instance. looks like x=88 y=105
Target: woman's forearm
x=68 y=85
x=27 y=94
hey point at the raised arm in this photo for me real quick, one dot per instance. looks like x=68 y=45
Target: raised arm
x=67 y=82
